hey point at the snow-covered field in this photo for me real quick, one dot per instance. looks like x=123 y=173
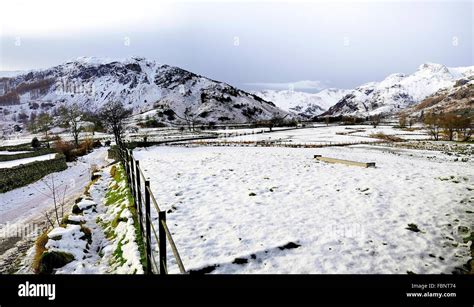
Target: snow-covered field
x=12 y=163
x=326 y=135
x=240 y=209
x=7 y=153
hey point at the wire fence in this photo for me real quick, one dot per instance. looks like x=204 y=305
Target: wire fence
x=145 y=202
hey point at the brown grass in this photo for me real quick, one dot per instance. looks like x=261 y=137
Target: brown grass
x=88 y=186
x=430 y=101
x=40 y=248
x=386 y=137
x=113 y=170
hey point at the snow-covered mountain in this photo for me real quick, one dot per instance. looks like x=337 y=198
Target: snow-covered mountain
x=398 y=91
x=302 y=103
x=145 y=86
x=458 y=98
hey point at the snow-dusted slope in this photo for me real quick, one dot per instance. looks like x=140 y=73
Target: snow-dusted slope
x=140 y=84
x=302 y=103
x=398 y=91
x=458 y=98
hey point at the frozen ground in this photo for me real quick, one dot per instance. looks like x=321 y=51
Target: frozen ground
x=12 y=163
x=246 y=210
x=12 y=152
x=326 y=135
x=152 y=134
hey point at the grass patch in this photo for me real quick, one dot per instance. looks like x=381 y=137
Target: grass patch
x=40 y=248
x=119 y=195
x=386 y=137
x=88 y=186
x=118 y=254
x=117 y=219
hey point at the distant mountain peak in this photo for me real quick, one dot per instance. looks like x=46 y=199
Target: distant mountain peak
x=433 y=67
x=301 y=103
x=145 y=86
x=398 y=91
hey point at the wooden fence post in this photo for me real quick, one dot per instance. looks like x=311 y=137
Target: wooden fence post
x=138 y=199
x=148 y=227
x=132 y=173
x=126 y=165
x=162 y=237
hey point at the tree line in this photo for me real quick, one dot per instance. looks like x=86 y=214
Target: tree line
x=449 y=125
x=73 y=117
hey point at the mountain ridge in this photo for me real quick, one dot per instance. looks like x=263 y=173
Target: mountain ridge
x=398 y=91
x=304 y=104
x=140 y=84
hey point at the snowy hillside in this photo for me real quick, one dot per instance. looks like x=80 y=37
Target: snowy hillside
x=458 y=98
x=140 y=84
x=302 y=103
x=398 y=91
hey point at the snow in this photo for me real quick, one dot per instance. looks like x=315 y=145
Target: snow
x=86 y=204
x=12 y=163
x=142 y=85
x=76 y=218
x=321 y=135
x=346 y=219
x=308 y=104
x=98 y=255
x=398 y=91
x=22 y=204
x=70 y=241
x=12 y=152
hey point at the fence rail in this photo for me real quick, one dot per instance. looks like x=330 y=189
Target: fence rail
x=144 y=202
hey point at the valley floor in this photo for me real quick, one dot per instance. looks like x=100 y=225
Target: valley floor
x=278 y=210
x=240 y=208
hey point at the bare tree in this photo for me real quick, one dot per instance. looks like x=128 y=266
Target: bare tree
x=58 y=196
x=276 y=121
x=145 y=135
x=375 y=120
x=449 y=123
x=113 y=115
x=464 y=128
x=70 y=117
x=188 y=116
x=44 y=122
x=327 y=120
x=402 y=120
x=32 y=124
x=432 y=123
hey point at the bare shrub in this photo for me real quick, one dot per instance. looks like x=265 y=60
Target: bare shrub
x=386 y=137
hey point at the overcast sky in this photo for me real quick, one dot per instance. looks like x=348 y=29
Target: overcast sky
x=249 y=44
